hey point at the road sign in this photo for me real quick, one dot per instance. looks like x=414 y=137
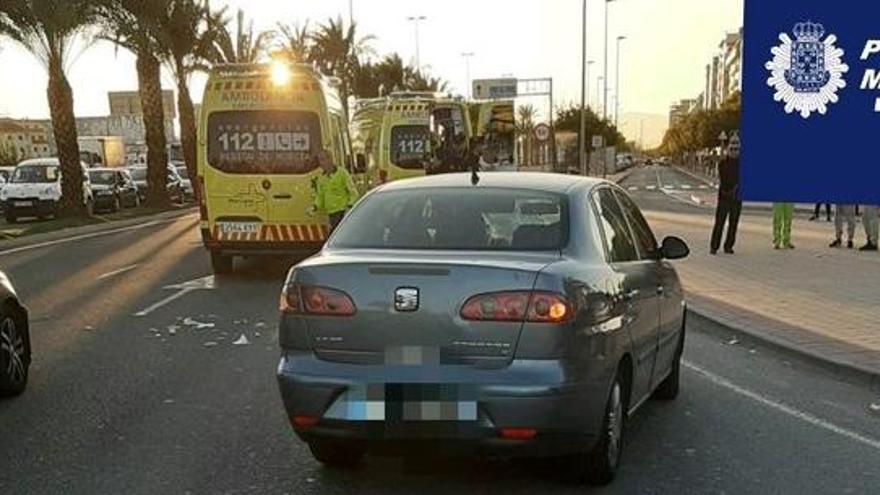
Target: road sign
x=542 y=132
x=598 y=142
x=486 y=89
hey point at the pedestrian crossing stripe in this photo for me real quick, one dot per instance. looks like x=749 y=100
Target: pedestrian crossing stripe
x=277 y=233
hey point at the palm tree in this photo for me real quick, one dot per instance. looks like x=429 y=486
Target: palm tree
x=295 y=42
x=241 y=47
x=338 y=52
x=49 y=30
x=525 y=128
x=187 y=40
x=133 y=25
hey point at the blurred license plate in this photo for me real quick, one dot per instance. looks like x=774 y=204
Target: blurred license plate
x=23 y=204
x=409 y=402
x=239 y=227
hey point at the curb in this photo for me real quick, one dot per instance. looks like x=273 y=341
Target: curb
x=840 y=365
x=94 y=228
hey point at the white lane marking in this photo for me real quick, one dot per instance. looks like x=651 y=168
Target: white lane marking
x=651 y=188
x=117 y=272
x=95 y=234
x=778 y=406
x=685 y=186
x=704 y=186
x=633 y=188
x=204 y=283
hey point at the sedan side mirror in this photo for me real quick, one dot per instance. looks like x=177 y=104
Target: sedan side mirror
x=360 y=165
x=674 y=248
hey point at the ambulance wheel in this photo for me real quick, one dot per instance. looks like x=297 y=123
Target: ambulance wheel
x=222 y=264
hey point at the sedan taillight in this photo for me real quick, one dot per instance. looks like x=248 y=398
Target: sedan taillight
x=319 y=301
x=517 y=306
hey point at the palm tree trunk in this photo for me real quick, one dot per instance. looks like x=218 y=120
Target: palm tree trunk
x=64 y=128
x=150 y=90
x=188 y=133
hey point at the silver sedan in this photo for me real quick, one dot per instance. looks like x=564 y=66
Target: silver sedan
x=515 y=314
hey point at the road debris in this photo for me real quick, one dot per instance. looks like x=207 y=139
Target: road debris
x=243 y=340
x=198 y=325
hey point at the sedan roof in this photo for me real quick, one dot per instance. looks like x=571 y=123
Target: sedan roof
x=539 y=181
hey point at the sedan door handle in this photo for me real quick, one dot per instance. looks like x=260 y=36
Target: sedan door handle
x=282 y=196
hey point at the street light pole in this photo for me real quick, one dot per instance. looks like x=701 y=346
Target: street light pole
x=467 y=65
x=617 y=84
x=605 y=97
x=582 y=137
x=589 y=65
x=599 y=81
x=415 y=20
x=351 y=12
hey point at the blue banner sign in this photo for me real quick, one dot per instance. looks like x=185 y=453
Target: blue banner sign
x=811 y=101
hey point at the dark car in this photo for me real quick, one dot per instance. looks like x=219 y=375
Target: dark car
x=526 y=315
x=113 y=189
x=15 y=345
x=174 y=183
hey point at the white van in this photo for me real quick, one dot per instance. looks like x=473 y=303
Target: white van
x=34 y=190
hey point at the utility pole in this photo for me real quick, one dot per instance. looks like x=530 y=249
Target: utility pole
x=467 y=67
x=617 y=84
x=582 y=137
x=416 y=20
x=605 y=91
x=351 y=12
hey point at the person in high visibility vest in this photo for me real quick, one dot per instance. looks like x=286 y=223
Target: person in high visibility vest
x=335 y=191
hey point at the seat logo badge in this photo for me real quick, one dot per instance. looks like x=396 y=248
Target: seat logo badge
x=406 y=299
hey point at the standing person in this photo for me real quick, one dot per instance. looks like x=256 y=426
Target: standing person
x=782 y=217
x=818 y=211
x=844 y=214
x=729 y=202
x=870 y=221
x=334 y=191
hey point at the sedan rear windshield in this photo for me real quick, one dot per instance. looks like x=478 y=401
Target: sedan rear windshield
x=103 y=177
x=457 y=219
x=263 y=142
x=35 y=174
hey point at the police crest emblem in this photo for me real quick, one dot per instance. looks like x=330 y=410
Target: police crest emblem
x=807 y=71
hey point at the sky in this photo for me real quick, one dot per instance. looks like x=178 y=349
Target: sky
x=668 y=43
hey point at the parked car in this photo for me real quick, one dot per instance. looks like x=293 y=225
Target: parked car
x=174 y=183
x=188 y=192
x=35 y=190
x=15 y=344
x=6 y=173
x=425 y=316
x=113 y=189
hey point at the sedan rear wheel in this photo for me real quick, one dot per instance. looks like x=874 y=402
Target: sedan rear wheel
x=13 y=354
x=337 y=453
x=599 y=465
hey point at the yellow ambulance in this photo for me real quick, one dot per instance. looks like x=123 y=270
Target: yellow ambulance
x=259 y=130
x=396 y=136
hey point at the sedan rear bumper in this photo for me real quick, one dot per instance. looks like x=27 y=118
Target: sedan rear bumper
x=467 y=408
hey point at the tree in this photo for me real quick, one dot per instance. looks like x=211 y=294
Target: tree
x=391 y=74
x=9 y=155
x=700 y=130
x=294 y=42
x=49 y=30
x=134 y=25
x=338 y=51
x=240 y=47
x=187 y=40
x=525 y=128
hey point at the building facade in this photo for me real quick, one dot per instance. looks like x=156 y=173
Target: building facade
x=20 y=140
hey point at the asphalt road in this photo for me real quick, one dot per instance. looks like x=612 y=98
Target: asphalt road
x=119 y=404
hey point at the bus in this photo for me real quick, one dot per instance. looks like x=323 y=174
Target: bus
x=395 y=137
x=260 y=128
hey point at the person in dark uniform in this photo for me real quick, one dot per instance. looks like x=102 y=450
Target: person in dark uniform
x=729 y=202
